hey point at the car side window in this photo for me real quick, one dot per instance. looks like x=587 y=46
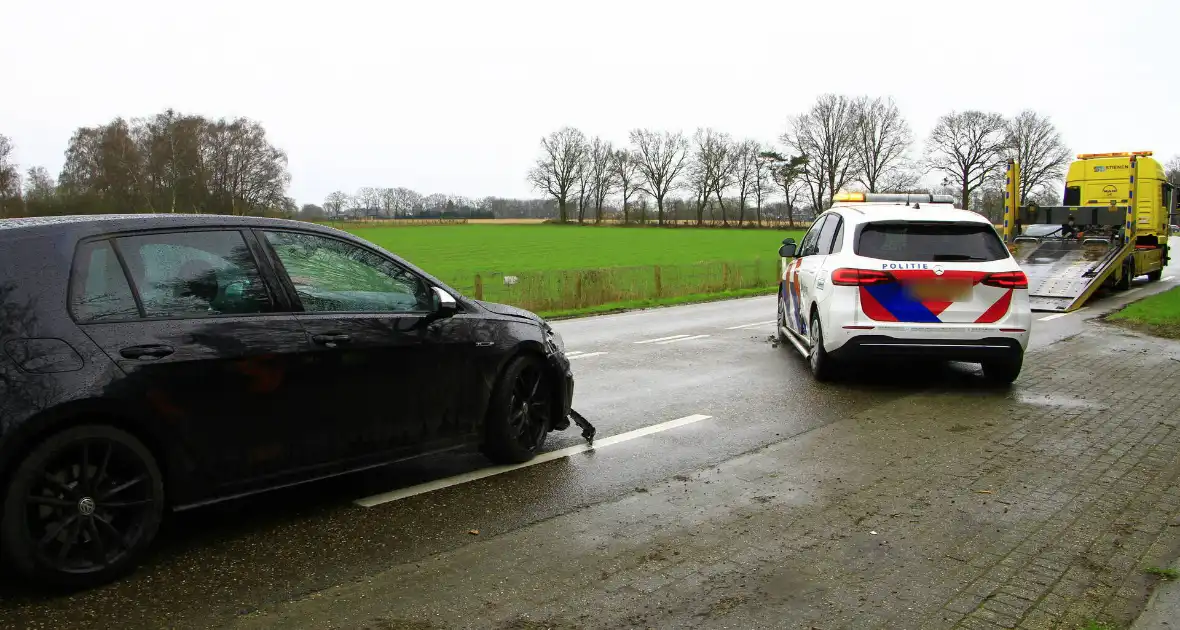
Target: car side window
x=838 y=239
x=101 y=292
x=335 y=276
x=195 y=274
x=808 y=246
x=827 y=234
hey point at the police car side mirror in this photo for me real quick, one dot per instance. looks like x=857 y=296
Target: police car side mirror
x=787 y=250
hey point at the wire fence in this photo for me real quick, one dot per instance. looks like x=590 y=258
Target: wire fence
x=571 y=290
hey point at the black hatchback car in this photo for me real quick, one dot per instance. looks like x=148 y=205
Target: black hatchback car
x=162 y=362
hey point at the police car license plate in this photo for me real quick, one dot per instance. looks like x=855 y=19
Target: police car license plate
x=941 y=290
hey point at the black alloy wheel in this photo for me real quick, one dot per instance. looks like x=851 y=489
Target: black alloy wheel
x=529 y=408
x=82 y=507
x=521 y=412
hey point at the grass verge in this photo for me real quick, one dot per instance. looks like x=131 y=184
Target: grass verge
x=1158 y=314
x=1163 y=574
x=569 y=271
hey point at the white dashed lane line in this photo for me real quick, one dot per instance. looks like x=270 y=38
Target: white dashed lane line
x=661 y=339
x=664 y=343
x=599 y=444
x=754 y=325
x=582 y=355
x=1169 y=278
x=1054 y=316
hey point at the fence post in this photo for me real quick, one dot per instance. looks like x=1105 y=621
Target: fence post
x=659 y=282
x=724 y=276
x=578 y=291
x=478 y=287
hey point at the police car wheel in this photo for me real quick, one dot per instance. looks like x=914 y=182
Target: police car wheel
x=1003 y=371
x=781 y=325
x=817 y=357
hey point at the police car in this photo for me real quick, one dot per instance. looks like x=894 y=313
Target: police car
x=894 y=275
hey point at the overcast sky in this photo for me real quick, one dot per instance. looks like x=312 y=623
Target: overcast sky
x=453 y=97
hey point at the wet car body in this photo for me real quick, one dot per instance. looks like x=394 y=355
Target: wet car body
x=234 y=404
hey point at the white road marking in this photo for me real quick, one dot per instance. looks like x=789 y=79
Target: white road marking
x=664 y=343
x=1169 y=278
x=583 y=356
x=570 y=353
x=660 y=339
x=439 y=484
x=754 y=325
x=1126 y=293
x=1056 y=315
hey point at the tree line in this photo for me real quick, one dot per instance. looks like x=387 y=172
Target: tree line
x=840 y=143
x=170 y=162
x=175 y=162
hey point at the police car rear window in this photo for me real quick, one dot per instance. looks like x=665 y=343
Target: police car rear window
x=931 y=242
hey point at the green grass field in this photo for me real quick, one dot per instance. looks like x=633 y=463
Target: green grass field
x=1158 y=314
x=568 y=270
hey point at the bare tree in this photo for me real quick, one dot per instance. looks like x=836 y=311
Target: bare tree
x=1034 y=142
x=745 y=174
x=600 y=163
x=336 y=203
x=246 y=173
x=368 y=200
x=405 y=200
x=39 y=184
x=882 y=138
x=560 y=166
x=826 y=134
x=763 y=180
x=1173 y=170
x=788 y=173
x=661 y=157
x=968 y=148
x=711 y=169
x=626 y=170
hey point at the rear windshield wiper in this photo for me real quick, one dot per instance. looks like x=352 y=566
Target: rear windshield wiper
x=949 y=257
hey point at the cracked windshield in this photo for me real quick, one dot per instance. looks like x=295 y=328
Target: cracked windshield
x=523 y=316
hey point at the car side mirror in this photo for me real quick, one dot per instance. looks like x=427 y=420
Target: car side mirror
x=787 y=250
x=444 y=303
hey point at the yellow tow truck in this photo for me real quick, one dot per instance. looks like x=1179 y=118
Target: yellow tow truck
x=1120 y=204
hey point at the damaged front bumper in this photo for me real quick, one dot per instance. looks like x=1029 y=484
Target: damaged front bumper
x=561 y=368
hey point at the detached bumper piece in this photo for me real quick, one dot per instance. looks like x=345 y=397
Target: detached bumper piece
x=588 y=429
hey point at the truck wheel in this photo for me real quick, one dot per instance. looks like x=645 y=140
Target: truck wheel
x=519 y=413
x=1003 y=371
x=82 y=508
x=1128 y=270
x=1155 y=275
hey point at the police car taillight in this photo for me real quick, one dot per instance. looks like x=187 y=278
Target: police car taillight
x=860 y=277
x=1007 y=280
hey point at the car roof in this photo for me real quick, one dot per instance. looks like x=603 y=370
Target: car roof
x=85 y=225
x=925 y=212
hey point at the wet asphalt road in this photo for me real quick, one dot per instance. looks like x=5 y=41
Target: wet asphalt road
x=713 y=359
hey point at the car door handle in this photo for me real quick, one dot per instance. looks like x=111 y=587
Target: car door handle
x=330 y=340
x=146 y=352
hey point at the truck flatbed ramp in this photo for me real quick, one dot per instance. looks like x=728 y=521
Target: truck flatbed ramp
x=1063 y=273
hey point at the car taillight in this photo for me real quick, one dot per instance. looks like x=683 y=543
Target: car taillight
x=1007 y=280
x=859 y=277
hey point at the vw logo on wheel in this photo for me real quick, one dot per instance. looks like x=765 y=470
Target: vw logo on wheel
x=938 y=270
x=86 y=506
